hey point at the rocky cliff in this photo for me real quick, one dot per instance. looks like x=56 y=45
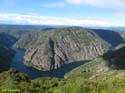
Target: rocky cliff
x=51 y=49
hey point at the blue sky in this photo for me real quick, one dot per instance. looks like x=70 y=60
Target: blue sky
x=63 y=12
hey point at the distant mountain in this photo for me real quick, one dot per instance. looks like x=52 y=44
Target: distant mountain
x=115 y=28
x=19 y=30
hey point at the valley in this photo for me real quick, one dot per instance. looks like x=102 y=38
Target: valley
x=62 y=46
x=52 y=59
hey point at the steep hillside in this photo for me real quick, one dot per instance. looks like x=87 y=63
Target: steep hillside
x=51 y=49
x=6 y=39
x=111 y=64
x=122 y=33
x=116 y=59
x=19 y=83
x=112 y=37
x=6 y=54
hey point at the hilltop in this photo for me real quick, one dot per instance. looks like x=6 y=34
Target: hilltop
x=52 y=49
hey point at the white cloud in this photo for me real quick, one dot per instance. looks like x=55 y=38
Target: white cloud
x=47 y=20
x=54 y=4
x=99 y=3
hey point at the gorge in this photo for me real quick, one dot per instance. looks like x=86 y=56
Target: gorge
x=72 y=58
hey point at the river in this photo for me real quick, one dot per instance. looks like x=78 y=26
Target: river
x=17 y=63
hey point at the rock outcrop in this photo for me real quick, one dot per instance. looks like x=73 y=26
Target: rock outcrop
x=52 y=49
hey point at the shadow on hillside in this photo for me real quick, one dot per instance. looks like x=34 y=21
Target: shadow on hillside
x=109 y=36
x=115 y=59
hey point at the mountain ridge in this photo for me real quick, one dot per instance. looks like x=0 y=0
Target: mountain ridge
x=57 y=47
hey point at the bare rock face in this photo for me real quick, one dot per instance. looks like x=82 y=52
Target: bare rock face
x=52 y=49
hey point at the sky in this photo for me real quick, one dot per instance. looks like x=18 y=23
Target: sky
x=63 y=12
